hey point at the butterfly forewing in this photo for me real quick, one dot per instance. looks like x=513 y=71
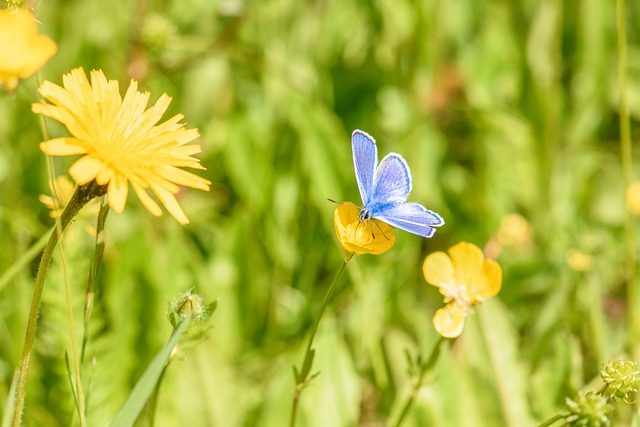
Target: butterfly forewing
x=365 y=159
x=392 y=182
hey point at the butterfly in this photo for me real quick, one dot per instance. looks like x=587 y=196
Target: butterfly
x=384 y=188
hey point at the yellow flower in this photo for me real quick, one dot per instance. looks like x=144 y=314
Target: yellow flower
x=22 y=50
x=465 y=278
x=515 y=231
x=122 y=141
x=633 y=198
x=361 y=237
x=64 y=191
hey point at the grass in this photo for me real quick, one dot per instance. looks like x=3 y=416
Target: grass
x=500 y=108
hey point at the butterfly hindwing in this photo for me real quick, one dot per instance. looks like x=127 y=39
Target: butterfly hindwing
x=365 y=159
x=411 y=217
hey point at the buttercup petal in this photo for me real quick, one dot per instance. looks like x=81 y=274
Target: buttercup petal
x=491 y=281
x=468 y=260
x=449 y=321
x=361 y=237
x=438 y=269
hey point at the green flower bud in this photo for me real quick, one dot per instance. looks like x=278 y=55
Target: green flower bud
x=158 y=33
x=621 y=378
x=589 y=410
x=189 y=304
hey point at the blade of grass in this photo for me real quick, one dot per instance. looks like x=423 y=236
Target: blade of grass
x=24 y=259
x=11 y=401
x=141 y=393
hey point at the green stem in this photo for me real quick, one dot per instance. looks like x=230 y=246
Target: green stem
x=424 y=368
x=552 y=420
x=81 y=197
x=93 y=273
x=625 y=151
x=302 y=376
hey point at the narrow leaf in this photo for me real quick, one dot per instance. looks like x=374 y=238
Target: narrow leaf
x=131 y=409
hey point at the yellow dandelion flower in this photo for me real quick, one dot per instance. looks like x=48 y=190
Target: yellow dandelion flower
x=465 y=278
x=22 y=50
x=361 y=237
x=121 y=141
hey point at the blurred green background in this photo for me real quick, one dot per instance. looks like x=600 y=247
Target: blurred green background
x=501 y=108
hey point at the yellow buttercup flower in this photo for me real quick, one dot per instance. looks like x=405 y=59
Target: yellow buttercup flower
x=22 y=50
x=465 y=278
x=357 y=237
x=121 y=141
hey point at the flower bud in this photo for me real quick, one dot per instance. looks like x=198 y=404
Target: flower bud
x=187 y=305
x=621 y=378
x=589 y=410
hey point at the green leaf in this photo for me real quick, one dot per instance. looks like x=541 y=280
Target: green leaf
x=308 y=363
x=131 y=409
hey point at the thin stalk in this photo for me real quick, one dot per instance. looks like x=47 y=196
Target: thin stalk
x=93 y=273
x=302 y=376
x=424 y=368
x=625 y=153
x=24 y=259
x=553 y=420
x=79 y=393
x=81 y=197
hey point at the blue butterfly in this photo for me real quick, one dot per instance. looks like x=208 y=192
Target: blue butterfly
x=384 y=189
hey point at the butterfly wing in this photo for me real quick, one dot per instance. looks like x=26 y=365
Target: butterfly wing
x=365 y=159
x=392 y=182
x=411 y=217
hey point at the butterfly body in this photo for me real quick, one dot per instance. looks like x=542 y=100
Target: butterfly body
x=384 y=189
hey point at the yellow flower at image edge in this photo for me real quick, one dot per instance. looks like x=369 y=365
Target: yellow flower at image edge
x=22 y=50
x=465 y=278
x=361 y=237
x=121 y=141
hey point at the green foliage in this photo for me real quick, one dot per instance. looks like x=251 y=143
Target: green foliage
x=499 y=107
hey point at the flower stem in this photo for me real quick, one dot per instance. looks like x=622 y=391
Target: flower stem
x=626 y=157
x=93 y=274
x=552 y=420
x=81 y=197
x=424 y=368
x=302 y=376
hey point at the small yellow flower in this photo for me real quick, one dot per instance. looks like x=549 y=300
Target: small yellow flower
x=357 y=237
x=121 y=141
x=22 y=50
x=633 y=198
x=465 y=278
x=515 y=231
x=64 y=189
x=578 y=260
